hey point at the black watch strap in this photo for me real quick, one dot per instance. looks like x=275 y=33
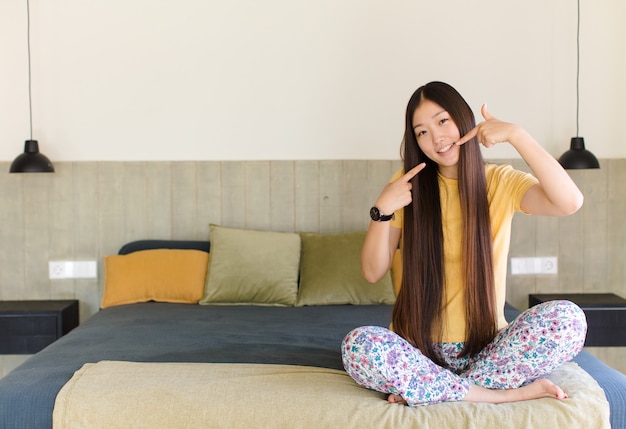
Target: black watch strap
x=378 y=216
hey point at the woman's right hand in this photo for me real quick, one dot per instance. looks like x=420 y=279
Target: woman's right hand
x=382 y=240
x=397 y=194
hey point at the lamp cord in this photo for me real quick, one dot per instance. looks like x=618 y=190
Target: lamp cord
x=577 y=68
x=30 y=99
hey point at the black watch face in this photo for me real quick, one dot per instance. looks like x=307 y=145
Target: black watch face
x=375 y=213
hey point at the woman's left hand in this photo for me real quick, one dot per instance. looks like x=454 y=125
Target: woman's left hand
x=491 y=131
x=556 y=194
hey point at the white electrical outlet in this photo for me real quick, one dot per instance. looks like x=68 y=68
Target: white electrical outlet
x=72 y=269
x=549 y=265
x=57 y=269
x=542 y=265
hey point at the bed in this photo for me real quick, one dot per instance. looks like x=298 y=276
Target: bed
x=250 y=364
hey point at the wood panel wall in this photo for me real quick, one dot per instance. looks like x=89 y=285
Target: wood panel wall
x=87 y=210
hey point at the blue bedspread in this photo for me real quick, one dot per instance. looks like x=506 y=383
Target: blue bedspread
x=157 y=332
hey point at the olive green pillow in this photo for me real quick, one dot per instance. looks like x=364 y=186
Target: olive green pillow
x=330 y=272
x=252 y=267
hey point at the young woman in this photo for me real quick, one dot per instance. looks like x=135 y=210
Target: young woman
x=451 y=215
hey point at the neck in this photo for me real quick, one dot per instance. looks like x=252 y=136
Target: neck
x=449 y=172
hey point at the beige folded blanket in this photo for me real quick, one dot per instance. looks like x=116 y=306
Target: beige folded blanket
x=201 y=395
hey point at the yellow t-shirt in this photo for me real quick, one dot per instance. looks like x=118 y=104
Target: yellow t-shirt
x=505 y=189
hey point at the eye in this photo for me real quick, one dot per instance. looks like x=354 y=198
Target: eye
x=443 y=121
x=420 y=133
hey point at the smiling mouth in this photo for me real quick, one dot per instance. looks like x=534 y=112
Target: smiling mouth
x=445 y=148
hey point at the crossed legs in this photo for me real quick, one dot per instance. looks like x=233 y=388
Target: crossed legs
x=512 y=367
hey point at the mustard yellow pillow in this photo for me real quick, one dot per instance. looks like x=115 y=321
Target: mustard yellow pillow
x=164 y=275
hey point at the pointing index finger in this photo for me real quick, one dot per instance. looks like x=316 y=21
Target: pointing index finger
x=413 y=172
x=467 y=137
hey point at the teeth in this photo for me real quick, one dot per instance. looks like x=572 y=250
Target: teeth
x=445 y=149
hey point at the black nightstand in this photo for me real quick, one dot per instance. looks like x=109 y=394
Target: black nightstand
x=26 y=327
x=606 y=315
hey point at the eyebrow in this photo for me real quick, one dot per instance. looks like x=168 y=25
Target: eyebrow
x=434 y=116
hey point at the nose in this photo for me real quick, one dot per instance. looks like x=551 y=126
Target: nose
x=438 y=137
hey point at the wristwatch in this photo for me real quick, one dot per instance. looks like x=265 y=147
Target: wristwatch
x=377 y=215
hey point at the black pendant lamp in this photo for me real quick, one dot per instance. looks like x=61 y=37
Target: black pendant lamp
x=31 y=161
x=577 y=157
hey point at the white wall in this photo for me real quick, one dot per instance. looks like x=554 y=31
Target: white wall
x=295 y=79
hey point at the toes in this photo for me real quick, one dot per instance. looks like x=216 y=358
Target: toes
x=395 y=399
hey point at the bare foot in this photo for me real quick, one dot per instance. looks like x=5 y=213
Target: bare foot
x=542 y=388
x=395 y=399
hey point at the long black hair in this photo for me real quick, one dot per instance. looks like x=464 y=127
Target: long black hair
x=417 y=311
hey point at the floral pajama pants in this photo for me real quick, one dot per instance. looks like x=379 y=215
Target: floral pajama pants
x=529 y=348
